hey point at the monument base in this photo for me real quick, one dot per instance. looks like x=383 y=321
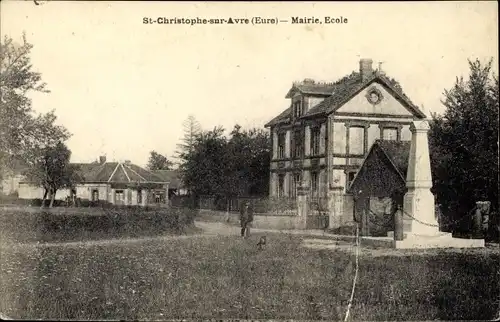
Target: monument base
x=440 y=240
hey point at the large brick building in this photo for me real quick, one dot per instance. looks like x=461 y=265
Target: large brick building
x=322 y=138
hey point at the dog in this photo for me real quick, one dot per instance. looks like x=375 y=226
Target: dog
x=261 y=243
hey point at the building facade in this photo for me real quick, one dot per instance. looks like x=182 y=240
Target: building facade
x=118 y=183
x=322 y=138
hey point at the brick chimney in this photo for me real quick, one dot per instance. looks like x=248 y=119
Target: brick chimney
x=365 y=68
x=102 y=159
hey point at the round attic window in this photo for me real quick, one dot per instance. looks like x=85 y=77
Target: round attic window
x=374 y=96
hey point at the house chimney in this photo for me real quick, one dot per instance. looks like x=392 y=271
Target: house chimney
x=365 y=68
x=308 y=81
x=102 y=159
x=127 y=162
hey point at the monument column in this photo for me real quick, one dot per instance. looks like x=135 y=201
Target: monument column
x=419 y=211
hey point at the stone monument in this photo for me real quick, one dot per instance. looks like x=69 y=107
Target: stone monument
x=421 y=229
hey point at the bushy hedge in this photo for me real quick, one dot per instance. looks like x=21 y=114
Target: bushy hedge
x=74 y=224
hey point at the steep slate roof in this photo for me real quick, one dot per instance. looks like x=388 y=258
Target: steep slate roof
x=171 y=176
x=341 y=92
x=311 y=88
x=397 y=152
x=281 y=118
x=347 y=90
x=116 y=172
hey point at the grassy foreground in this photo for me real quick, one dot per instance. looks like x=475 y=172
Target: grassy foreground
x=226 y=277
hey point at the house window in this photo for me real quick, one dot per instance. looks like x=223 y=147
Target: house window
x=281 y=185
x=119 y=196
x=95 y=195
x=350 y=178
x=357 y=140
x=159 y=197
x=297 y=108
x=314 y=182
x=281 y=145
x=315 y=140
x=298 y=144
x=389 y=133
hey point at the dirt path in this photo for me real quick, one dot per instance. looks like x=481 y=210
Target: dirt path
x=207 y=229
x=224 y=229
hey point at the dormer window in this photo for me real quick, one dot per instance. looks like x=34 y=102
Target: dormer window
x=297 y=108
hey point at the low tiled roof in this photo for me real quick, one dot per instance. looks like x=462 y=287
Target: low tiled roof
x=116 y=172
x=172 y=176
x=398 y=153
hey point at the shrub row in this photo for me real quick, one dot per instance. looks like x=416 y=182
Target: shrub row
x=73 y=224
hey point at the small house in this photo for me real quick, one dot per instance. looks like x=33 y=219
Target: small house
x=380 y=185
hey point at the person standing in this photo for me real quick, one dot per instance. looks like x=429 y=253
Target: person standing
x=246 y=217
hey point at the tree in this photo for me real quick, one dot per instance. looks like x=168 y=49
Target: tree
x=52 y=171
x=250 y=150
x=22 y=132
x=202 y=171
x=192 y=129
x=159 y=162
x=464 y=142
x=228 y=167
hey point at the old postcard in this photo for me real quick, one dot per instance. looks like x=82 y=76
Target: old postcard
x=249 y=161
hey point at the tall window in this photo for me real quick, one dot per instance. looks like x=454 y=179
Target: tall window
x=298 y=141
x=315 y=138
x=389 y=133
x=297 y=108
x=281 y=185
x=357 y=140
x=314 y=182
x=281 y=145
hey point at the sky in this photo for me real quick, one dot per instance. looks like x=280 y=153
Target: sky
x=124 y=88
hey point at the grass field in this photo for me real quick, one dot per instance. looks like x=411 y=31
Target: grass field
x=226 y=277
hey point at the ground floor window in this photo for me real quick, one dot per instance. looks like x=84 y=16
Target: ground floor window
x=119 y=196
x=159 y=197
